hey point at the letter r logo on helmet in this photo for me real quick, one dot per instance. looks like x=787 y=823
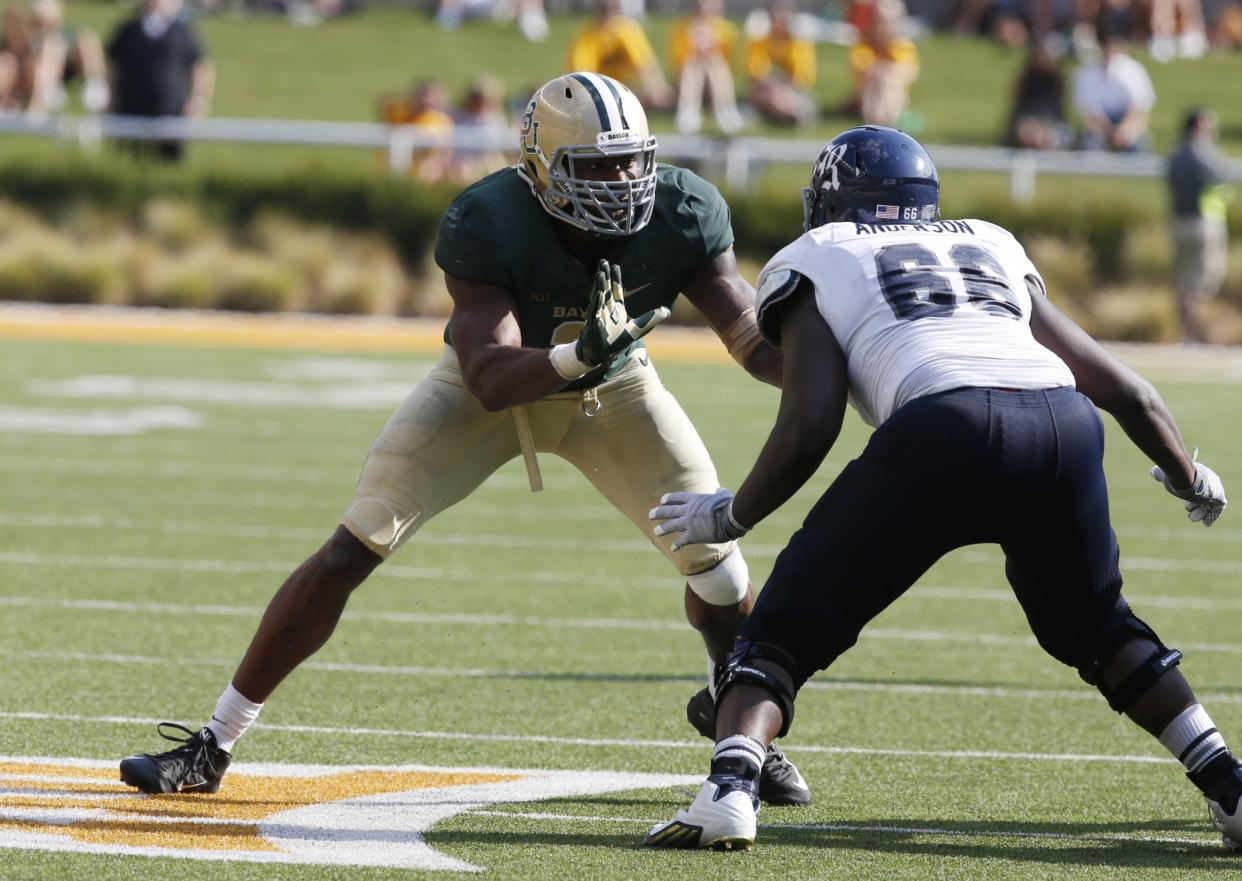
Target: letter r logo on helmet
x=872 y=174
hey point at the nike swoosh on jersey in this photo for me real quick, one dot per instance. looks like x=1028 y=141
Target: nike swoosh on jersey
x=631 y=291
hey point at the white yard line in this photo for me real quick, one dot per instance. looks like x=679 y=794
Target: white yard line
x=524 y=621
x=1209 y=840
x=635 y=743
x=421 y=672
x=109 y=522
x=440 y=618
x=525 y=576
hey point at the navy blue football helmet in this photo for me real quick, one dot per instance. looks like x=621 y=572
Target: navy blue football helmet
x=872 y=174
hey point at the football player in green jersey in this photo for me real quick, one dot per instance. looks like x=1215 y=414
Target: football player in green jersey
x=557 y=266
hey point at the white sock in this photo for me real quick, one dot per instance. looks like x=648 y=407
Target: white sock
x=741 y=746
x=1192 y=738
x=232 y=716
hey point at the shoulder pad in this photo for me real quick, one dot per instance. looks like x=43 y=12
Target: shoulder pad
x=775 y=287
x=988 y=228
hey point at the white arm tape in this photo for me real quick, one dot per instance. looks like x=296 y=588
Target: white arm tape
x=565 y=361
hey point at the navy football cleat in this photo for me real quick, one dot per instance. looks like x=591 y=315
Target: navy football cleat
x=1220 y=781
x=196 y=766
x=779 y=782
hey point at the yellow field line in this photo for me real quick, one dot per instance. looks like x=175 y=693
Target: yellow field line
x=126 y=326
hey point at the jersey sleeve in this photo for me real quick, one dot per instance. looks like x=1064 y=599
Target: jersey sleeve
x=636 y=45
x=776 y=284
x=194 y=51
x=115 y=50
x=464 y=246
x=758 y=58
x=802 y=64
x=711 y=213
x=584 y=51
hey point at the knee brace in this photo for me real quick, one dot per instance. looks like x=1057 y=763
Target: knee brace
x=765 y=665
x=1123 y=628
x=725 y=584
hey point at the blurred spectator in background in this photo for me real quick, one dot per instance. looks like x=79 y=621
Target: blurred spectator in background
x=781 y=67
x=16 y=59
x=1013 y=23
x=618 y=47
x=158 y=67
x=426 y=106
x=65 y=55
x=1177 y=29
x=1037 y=120
x=702 y=47
x=1227 y=29
x=40 y=56
x=532 y=20
x=482 y=108
x=1114 y=96
x=1196 y=173
x=451 y=13
x=884 y=66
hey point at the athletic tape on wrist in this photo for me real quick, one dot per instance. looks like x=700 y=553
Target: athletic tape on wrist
x=742 y=337
x=566 y=362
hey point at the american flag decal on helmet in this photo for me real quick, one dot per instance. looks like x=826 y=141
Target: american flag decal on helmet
x=887 y=212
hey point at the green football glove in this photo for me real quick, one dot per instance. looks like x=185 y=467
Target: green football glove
x=608 y=329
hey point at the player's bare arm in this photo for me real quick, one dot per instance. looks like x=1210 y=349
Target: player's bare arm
x=727 y=301
x=1137 y=407
x=485 y=334
x=813 y=398
x=501 y=373
x=814 y=393
x=1114 y=388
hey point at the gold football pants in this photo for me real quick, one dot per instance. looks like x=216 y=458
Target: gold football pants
x=440 y=445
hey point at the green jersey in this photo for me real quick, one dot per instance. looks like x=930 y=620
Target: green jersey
x=496 y=233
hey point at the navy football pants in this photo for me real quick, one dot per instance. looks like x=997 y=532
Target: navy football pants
x=1021 y=469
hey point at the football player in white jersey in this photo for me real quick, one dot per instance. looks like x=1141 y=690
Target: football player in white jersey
x=941 y=335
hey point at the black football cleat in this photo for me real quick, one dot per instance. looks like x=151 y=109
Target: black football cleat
x=196 y=766
x=779 y=782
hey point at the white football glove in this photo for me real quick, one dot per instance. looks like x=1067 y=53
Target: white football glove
x=701 y=518
x=1204 y=498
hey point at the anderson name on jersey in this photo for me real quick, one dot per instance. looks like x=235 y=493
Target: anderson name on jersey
x=918 y=308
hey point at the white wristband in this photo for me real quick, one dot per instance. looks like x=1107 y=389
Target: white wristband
x=737 y=527
x=565 y=361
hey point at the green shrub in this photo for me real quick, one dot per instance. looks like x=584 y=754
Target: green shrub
x=1134 y=315
x=406 y=214
x=183 y=282
x=174 y=223
x=357 y=241
x=255 y=284
x=40 y=265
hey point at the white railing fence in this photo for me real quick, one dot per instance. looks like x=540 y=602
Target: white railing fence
x=736 y=161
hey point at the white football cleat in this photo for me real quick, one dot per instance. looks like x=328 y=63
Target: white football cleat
x=722 y=818
x=1229 y=826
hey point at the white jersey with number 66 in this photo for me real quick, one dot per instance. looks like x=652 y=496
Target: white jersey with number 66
x=918 y=308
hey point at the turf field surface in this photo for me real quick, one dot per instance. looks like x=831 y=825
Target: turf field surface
x=513 y=681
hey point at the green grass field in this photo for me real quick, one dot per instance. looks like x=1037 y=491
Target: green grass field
x=522 y=631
